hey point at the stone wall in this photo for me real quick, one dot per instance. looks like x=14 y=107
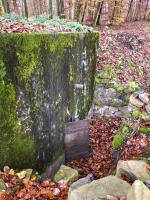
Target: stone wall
x=45 y=80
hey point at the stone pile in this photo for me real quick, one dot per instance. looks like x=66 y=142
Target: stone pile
x=137 y=186
x=109 y=103
x=141 y=99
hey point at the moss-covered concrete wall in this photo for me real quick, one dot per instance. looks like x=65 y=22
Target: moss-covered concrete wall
x=45 y=80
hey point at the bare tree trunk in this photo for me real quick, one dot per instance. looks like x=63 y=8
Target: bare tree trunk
x=67 y=9
x=124 y=11
x=147 y=12
x=104 y=16
x=54 y=8
x=6 y=6
x=50 y=8
x=82 y=10
x=116 y=20
x=99 y=8
x=1 y=8
x=25 y=8
x=85 y=11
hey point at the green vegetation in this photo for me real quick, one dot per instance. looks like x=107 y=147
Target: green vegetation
x=44 y=19
x=108 y=78
x=122 y=132
x=117 y=141
x=144 y=130
x=15 y=145
x=136 y=113
x=147 y=160
x=130 y=126
x=57 y=22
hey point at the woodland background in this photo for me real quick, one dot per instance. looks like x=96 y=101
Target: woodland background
x=91 y=12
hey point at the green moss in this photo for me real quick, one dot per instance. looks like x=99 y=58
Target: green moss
x=144 y=130
x=132 y=86
x=96 y=102
x=27 y=56
x=56 y=155
x=118 y=87
x=116 y=103
x=15 y=146
x=125 y=129
x=117 y=141
x=147 y=160
x=136 y=112
x=62 y=42
x=16 y=65
x=141 y=115
x=22 y=58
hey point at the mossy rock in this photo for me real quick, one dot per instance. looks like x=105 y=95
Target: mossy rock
x=38 y=72
x=116 y=103
x=117 y=141
x=66 y=174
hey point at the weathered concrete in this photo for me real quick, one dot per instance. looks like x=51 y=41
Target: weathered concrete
x=39 y=78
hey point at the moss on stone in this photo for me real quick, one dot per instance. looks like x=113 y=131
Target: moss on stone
x=66 y=174
x=144 y=130
x=117 y=141
x=15 y=145
x=24 y=59
x=56 y=155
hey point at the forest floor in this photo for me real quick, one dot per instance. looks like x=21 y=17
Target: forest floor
x=124 y=43
x=130 y=41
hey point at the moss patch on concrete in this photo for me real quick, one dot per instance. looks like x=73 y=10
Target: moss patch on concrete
x=37 y=77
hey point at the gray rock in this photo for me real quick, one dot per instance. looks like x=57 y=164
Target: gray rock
x=138 y=191
x=89 y=178
x=132 y=177
x=2 y=185
x=90 y=113
x=114 y=112
x=100 y=111
x=147 y=183
x=106 y=111
x=115 y=103
x=99 y=189
x=137 y=93
x=111 y=92
x=66 y=174
x=147 y=107
x=125 y=110
x=103 y=96
x=136 y=102
x=136 y=167
x=144 y=97
x=99 y=91
x=128 y=174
